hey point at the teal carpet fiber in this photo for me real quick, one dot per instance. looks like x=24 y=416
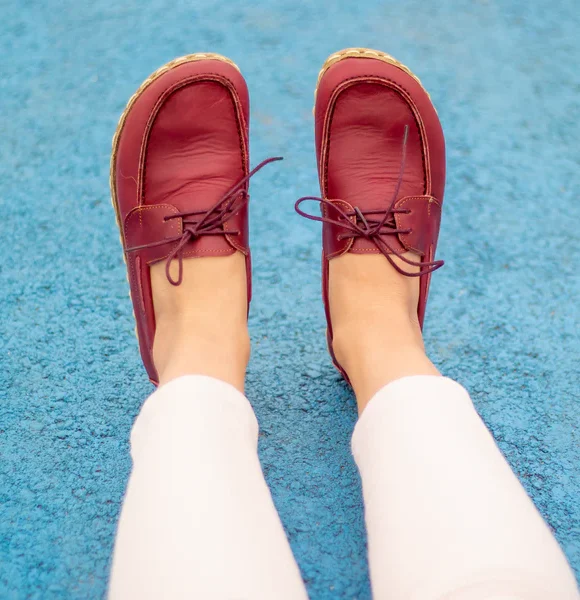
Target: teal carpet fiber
x=503 y=318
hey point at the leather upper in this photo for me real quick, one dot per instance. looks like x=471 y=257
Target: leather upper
x=183 y=145
x=370 y=116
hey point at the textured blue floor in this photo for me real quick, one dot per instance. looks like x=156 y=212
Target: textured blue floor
x=503 y=319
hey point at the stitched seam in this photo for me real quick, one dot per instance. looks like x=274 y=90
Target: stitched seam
x=199 y=253
x=347 y=83
x=404 y=201
x=427 y=278
x=386 y=82
x=211 y=77
x=204 y=252
x=140 y=285
x=232 y=242
x=350 y=242
x=138 y=303
x=229 y=85
x=155 y=76
x=140 y=209
x=132 y=267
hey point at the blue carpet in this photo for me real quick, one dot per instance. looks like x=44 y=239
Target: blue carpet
x=503 y=319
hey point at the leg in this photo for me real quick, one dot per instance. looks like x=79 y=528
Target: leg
x=446 y=517
x=198 y=520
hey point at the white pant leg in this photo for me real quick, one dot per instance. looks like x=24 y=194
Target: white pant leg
x=446 y=517
x=198 y=519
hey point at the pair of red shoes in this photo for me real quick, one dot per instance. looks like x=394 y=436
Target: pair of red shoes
x=180 y=170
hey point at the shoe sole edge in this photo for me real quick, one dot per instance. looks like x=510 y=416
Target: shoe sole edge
x=367 y=53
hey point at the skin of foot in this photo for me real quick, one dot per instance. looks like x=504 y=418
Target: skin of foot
x=201 y=325
x=376 y=334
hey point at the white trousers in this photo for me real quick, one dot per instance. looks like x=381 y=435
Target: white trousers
x=446 y=517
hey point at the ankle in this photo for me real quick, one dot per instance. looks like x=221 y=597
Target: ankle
x=373 y=308
x=201 y=325
x=211 y=287
x=188 y=346
x=373 y=358
x=383 y=340
x=381 y=347
x=376 y=333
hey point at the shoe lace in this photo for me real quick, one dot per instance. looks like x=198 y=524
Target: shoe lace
x=198 y=223
x=374 y=224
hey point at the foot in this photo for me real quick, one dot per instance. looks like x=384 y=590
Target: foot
x=381 y=162
x=179 y=185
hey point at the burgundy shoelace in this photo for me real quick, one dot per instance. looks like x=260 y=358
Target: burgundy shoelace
x=374 y=224
x=199 y=223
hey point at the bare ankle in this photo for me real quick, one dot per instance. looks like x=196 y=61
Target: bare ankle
x=376 y=359
x=376 y=333
x=201 y=325
x=197 y=351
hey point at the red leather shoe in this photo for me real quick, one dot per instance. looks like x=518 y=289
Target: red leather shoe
x=381 y=164
x=179 y=175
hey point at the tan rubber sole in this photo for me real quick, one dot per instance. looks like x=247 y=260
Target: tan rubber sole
x=117 y=136
x=363 y=53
